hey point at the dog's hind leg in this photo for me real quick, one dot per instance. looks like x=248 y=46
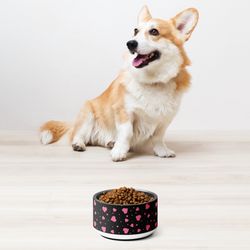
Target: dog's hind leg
x=82 y=130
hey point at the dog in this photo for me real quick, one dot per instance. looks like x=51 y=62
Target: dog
x=141 y=102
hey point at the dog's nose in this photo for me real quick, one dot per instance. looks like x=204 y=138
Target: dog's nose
x=132 y=45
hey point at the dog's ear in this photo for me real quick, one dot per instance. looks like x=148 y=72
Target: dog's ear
x=144 y=15
x=185 y=23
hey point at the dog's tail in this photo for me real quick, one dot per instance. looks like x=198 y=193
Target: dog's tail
x=52 y=131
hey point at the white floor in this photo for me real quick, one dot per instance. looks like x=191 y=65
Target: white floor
x=204 y=193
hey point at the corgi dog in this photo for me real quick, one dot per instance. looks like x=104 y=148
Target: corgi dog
x=141 y=102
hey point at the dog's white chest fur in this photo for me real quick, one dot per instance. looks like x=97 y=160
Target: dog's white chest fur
x=151 y=107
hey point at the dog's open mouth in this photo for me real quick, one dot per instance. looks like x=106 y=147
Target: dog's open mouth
x=143 y=60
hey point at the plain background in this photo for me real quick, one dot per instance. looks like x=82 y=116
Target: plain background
x=55 y=54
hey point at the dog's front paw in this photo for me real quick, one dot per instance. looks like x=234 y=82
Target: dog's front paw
x=164 y=152
x=79 y=147
x=118 y=154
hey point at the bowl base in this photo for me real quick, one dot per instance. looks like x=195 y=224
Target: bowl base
x=126 y=237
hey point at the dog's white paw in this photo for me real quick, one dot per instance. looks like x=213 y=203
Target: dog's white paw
x=164 y=152
x=118 y=154
x=78 y=144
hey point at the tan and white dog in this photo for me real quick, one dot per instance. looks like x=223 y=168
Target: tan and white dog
x=141 y=102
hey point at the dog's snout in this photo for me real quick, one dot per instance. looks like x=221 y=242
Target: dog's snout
x=132 y=45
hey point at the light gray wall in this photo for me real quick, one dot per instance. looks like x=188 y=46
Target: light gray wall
x=55 y=54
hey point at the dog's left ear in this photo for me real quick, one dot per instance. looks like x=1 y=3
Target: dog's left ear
x=144 y=15
x=185 y=23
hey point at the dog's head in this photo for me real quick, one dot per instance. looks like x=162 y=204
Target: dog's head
x=156 y=49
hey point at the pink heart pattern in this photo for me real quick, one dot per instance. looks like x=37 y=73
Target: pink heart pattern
x=125 y=230
x=125 y=220
x=125 y=210
x=138 y=217
x=113 y=218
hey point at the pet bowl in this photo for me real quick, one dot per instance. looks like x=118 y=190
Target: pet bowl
x=125 y=222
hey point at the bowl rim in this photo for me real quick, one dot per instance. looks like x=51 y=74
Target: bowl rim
x=96 y=195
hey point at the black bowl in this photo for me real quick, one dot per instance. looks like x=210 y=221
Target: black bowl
x=125 y=222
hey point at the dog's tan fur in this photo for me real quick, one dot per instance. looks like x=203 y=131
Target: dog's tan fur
x=106 y=108
x=109 y=109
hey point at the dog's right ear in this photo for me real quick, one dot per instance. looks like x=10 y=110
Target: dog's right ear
x=144 y=15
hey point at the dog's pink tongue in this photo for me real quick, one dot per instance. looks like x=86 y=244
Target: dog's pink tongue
x=138 y=61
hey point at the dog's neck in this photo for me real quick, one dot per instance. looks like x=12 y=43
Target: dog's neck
x=163 y=74
x=153 y=87
x=153 y=80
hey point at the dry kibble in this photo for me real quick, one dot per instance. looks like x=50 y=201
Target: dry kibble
x=125 y=196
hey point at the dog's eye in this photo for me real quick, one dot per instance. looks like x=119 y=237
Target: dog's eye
x=136 y=32
x=154 y=32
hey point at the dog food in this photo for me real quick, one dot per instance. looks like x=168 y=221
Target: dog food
x=125 y=196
